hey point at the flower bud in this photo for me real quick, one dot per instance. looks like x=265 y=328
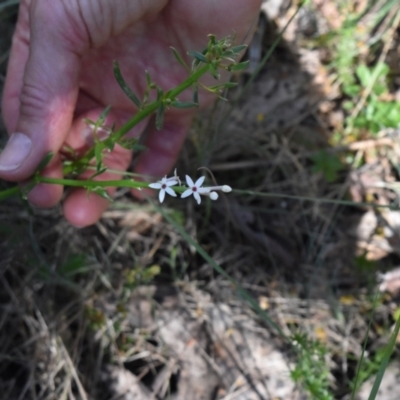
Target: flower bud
x=213 y=195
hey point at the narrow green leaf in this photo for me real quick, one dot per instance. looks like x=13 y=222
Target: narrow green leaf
x=148 y=78
x=240 y=66
x=45 y=161
x=89 y=121
x=181 y=104
x=214 y=72
x=160 y=117
x=239 y=48
x=103 y=116
x=101 y=192
x=108 y=144
x=126 y=89
x=98 y=154
x=99 y=172
x=160 y=93
x=382 y=368
x=226 y=85
x=131 y=144
x=364 y=74
x=179 y=57
x=227 y=53
x=198 y=56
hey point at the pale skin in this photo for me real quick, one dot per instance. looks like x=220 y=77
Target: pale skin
x=60 y=71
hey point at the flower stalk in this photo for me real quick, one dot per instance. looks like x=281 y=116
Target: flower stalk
x=219 y=54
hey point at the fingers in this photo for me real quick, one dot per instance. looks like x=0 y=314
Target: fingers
x=48 y=195
x=82 y=208
x=40 y=92
x=163 y=148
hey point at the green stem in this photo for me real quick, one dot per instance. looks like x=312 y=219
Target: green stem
x=115 y=183
x=142 y=114
x=89 y=183
x=14 y=191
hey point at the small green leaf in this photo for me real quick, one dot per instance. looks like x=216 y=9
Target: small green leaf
x=131 y=144
x=148 y=78
x=89 y=121
x=179 y=57
x=227 y=53
x=181 y=104
x=103 y=116
x=238 y=49
x=198 y=56
x=328 y=164
x=98 y=154
x=101 y=192
x=240 y=66
x=121 y=82
x=74 y=264
x=214 y=72
x=108 y=144
x=364 y=75
x=352 y=89
x=226 y=85
x=99 y=172
x=381 y=70
x=160 y=117
x=45 y=161
x=160 y=93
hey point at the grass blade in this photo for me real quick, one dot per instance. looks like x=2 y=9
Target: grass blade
x=385 y=361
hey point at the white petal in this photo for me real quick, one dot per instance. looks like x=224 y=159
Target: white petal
x=171 y=182
x=226 y=189
x=197 y=197
x=200 y=181
x=189 y=181
x=155 y=185
x=186 y=193
x=170 y=192
x=161 y=195
x=204 y=190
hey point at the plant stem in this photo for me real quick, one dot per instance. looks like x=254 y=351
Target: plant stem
x=141 y=115
x=14 y=191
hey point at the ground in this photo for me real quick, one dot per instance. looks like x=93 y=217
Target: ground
x=130 y=309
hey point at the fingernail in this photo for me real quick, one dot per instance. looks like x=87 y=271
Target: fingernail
x=17 y=149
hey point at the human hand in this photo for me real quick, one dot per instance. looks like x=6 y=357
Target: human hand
x=61 y=71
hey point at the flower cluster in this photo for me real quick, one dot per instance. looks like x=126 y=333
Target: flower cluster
x=194 y=188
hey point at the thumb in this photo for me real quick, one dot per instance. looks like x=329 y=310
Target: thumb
x=42 y=95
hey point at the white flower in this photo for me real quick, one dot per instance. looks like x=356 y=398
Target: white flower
x=195 y=189
x=164 y=186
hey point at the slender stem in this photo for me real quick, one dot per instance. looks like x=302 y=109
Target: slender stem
x=14 y=191
x=91 y=184
x=115 y=183
x=141 y=115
